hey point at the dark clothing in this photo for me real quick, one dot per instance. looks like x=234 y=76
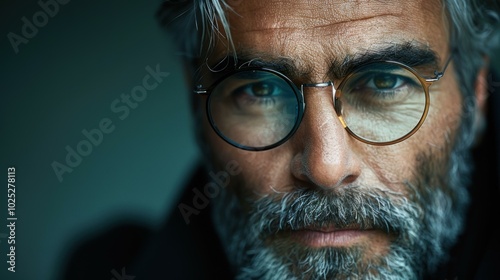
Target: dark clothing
x=181 y=251
x=190 y=251
x=477 y=253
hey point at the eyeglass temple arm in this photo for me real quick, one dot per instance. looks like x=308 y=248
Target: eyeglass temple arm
x=439 y=75
x=201 y=91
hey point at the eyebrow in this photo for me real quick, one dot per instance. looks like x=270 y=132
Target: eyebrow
x=410 y=53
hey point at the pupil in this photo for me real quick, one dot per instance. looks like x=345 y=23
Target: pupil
x=385 y=81
x=262 y=89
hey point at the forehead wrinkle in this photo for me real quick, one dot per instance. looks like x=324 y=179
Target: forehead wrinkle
x=264 y=15
x=351 y=21
x=277 y=28
x=330 y=25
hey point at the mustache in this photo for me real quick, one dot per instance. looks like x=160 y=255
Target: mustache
x=350 y=207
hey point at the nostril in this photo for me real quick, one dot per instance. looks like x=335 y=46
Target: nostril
x=349 y=179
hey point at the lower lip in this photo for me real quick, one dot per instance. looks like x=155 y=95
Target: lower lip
x=339 y=238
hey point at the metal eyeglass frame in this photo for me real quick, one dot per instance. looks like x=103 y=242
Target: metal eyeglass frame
x=337 y=94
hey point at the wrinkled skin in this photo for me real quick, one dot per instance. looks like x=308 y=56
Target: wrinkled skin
x=322 y=156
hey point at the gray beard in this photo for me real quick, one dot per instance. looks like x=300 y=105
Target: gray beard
x=425 y=224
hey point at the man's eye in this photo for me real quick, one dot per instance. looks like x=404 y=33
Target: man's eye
x=377 y=88
x=385 y=81
x=382 y=82
x=261 y=89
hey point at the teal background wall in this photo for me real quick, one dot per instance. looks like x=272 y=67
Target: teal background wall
x=62 y=81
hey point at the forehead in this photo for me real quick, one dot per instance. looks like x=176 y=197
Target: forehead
x=329 y=11
x=306 y=30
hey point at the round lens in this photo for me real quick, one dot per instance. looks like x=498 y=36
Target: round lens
x=382 y=102
x=253 y=109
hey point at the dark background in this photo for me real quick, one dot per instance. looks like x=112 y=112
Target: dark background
x=63 y=81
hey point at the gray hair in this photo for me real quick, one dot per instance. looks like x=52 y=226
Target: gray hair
x=474 y=27
x=195 y=22
x=195 y=26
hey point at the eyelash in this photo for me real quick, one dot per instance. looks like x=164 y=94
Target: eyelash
x=249 y=99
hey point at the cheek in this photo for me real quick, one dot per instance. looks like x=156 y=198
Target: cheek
x=264 y=172
x=390 y=166
x=261 y=172
x=395 y=164
x=439 y=132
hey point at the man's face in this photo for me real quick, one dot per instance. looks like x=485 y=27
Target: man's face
x=324 y=204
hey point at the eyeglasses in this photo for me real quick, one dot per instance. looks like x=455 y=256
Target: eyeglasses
x=378 y=103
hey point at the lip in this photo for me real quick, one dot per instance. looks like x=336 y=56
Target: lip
x=330 y=236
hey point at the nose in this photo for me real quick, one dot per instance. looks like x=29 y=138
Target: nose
x=325 y=156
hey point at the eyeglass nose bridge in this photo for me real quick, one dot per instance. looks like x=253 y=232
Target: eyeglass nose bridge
x=323 y=84
x=336 y=103
x=318 y=85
